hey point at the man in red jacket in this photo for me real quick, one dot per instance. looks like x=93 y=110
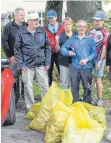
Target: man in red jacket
x=53 y=28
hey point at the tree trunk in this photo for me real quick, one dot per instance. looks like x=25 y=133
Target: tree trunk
x=55 y=5
x=82 y=9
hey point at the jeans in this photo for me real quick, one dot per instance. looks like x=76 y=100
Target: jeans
x=85 y=75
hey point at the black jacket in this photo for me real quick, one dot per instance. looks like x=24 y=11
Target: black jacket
x=64 y=60
x=8 y=37
x=108 y=54
x=32 y=51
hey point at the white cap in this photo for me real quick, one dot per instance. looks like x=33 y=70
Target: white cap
x=31 y=16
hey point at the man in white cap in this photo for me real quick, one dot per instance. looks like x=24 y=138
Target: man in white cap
x=100 y=35
x=33 y=54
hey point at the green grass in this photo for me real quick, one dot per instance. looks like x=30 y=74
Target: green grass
x=106 y=83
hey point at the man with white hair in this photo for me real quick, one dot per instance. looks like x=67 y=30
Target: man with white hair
x=82 y=49
x=33 y=54
x=8 y=40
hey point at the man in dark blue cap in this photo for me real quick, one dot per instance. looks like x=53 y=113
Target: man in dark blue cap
x=53 y=28
x=100 y=36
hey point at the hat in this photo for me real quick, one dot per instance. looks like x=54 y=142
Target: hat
x=32 y=16
x=99 y=15
x=51 y=14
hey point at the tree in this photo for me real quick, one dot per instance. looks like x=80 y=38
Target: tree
x=55 y=5
x=82 y=9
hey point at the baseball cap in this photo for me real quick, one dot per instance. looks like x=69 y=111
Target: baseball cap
x=32 y=16
x=99 y=15
x=51 y=14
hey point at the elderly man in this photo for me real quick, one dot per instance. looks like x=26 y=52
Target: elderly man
x=82 y=49
x=53 y=28
x=33 y=54
x=100 y=36
x=8 y=40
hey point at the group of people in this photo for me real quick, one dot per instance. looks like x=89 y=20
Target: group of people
x=32 y=50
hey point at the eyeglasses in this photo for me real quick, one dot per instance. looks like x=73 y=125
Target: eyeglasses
x=82 y=26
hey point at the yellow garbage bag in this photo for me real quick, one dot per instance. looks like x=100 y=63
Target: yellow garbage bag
x=81 y=128
x=99 y=114
x=33 y=111
x=53 y=95
x=56 y=123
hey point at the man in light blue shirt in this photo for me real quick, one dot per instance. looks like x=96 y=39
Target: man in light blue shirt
x=82 y=49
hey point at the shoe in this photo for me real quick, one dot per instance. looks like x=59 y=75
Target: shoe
x=100 y=103
x=109 y=136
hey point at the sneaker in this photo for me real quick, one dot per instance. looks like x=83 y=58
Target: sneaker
x=100 y=103
x=109 y=136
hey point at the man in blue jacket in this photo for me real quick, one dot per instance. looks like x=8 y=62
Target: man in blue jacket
x=82 y=49
x=33 y=56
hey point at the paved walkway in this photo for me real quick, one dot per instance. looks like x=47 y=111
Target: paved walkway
x=17 y=133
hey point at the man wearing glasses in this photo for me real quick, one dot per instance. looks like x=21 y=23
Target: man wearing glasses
x=53 y=28
x=82 y=49
x=33 y=54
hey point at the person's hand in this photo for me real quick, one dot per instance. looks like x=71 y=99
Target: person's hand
x=98 y=66
x=57 y=38
x=84 y=61
x=46 y=67
x=107 y=68
x=70 y=53
x=12 y=60
x=24 y=68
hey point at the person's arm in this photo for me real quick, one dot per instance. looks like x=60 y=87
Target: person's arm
x=108 y=53
x=65 y=48
x=103 y=54
x=18 y=51
x=92 y=55
x=47 y=53
x=4 y=41
x=57 y=46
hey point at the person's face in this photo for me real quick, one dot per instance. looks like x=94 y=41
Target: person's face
x=82 y=28
x=33 y=23
x=68 y=26
x=98 y=23
x=19 y=17
x=52 y=20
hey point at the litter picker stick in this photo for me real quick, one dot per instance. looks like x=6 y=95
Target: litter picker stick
x=73 y=49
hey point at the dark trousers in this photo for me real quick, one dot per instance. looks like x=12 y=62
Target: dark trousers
x=85 y=77
x=16 y=75
x=54 y=59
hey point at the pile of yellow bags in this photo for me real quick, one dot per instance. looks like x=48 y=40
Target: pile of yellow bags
x=63 y=121
x=53 y=95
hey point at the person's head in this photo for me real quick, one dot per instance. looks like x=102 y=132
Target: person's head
x=32 y=20
x=81 y=27
x=19 y=15
x=52 y=17
x=67 y=23
x=98 y=19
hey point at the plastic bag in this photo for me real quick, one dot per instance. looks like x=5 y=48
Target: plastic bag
x=99 y=114
x=56 y=123
x=81 y=128
x=33 y=111
x=53 y=95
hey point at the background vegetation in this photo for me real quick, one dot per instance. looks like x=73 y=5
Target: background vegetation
x=106 y=82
